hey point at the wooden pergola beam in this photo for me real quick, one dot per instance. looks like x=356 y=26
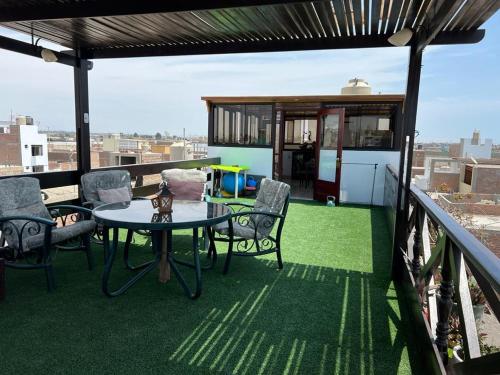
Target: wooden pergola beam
x=109 y=8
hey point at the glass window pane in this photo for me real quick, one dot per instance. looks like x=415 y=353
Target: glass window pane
x=369 y=126
x=243 y=124
x=330 y=132
x=259 y=122
x=297 y=131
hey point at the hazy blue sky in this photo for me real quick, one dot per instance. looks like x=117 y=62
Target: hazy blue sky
x=460 y=86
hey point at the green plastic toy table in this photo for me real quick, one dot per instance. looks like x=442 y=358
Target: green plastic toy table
x=236 y=169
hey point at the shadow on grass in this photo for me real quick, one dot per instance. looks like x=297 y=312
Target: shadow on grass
x=304 y=319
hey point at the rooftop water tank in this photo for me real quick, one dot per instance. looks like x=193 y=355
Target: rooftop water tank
x=356 y=86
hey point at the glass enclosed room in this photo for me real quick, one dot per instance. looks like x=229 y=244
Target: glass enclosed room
x=323 y=146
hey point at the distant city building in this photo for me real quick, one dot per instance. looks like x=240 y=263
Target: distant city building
x=472 y=147
x=23 y=147
x=481 y=177
x=438 y=172
x=162 y=147
x=114 y=143
x=181 y=151
x=187 y=150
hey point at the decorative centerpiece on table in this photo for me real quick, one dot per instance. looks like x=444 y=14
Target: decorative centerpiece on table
x=163 y=199
x=161 y=218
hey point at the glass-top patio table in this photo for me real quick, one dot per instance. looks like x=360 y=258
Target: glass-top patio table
x=141 y=216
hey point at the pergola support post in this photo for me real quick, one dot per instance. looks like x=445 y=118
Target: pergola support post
x=82 y=115
x=406 y=158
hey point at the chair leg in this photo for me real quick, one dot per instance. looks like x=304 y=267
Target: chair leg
x=280 y=261
x=210 y=240
x=88 y=250
x=49 y=274
x=228 y=258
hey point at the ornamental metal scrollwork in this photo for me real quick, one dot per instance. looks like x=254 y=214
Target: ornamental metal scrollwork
x=14 y=235
x=59 y=217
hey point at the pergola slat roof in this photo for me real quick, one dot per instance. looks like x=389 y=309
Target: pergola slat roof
x=107 y=28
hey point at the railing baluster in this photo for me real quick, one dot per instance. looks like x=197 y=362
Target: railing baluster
x=410 y=223
x=426 y=254
x=467 y=322
x=444 y=304
x=417 y=240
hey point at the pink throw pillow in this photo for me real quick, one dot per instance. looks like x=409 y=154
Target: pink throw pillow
x=186 y=190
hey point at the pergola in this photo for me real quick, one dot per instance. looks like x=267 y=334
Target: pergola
x=93 y=29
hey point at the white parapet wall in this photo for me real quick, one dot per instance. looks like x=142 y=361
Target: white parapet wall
x=358 y=172
x=260 y=160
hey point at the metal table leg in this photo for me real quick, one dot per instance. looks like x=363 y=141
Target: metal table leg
x=211 y=254
x=196 y=265
x=126 y=250
x=110 y=253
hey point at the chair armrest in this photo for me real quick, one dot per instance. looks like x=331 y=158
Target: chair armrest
x=238 y=204
x=232 y=206
x=36 y=219
x=32 y=225
x=84 y=212
x=260 y=228
x=71 y=207
x=255 y=213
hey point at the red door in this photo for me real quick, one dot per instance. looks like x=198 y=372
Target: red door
x=329 y=154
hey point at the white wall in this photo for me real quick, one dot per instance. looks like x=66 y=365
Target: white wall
x=356 y=180
x=476 y=151
x=260 y=160
x=29 y=136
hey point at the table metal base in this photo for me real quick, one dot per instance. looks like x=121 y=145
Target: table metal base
x=163 y=256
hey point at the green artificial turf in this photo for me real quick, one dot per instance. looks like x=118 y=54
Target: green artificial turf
x=332 y=309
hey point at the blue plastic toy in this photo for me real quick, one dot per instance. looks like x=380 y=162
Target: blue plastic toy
x=228 y=182
x=251 y=182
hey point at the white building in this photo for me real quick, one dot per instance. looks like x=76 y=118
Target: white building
x=114 y=143
x=472 y=147
x=33 y=145
x=181 y=151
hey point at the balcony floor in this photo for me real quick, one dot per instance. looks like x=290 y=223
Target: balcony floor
x=332 y=309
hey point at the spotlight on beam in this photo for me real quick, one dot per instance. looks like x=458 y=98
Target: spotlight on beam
x=48 y=55
x=401 y=38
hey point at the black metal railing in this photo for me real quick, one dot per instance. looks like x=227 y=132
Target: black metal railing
x=441 y=256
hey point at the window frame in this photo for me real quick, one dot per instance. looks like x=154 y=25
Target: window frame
x=396 y=122
x=40 y=147
x=293 y=119
x=212 y=125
